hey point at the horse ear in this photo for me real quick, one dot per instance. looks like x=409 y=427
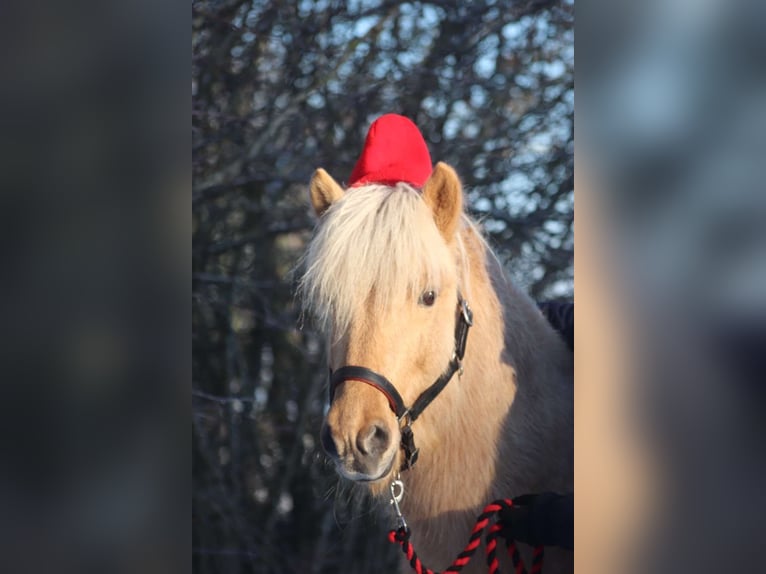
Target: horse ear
x=444 y=195
x=324 y=191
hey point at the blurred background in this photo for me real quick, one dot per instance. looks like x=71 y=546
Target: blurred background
x=672 y=241
x=279 y=89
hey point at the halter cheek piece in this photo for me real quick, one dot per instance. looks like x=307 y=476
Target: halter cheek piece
x=409 y=415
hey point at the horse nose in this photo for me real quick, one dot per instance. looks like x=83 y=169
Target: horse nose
x=328 y=443
x=373 y=441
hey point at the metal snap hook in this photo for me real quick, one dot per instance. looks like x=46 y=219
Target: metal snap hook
x=397 y=493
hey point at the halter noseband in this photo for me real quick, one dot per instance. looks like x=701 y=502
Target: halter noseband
x=381 y=383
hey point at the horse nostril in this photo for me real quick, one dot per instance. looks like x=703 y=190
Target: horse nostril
x=374 y=440
x=328 y=444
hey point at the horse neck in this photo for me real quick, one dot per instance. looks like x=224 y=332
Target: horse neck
x=470 y=447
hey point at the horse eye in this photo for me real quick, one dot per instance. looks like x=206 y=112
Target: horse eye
x=427 y=298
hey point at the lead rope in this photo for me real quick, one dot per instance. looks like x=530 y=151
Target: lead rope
x=401 y=536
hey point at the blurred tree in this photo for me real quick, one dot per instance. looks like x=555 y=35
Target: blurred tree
x=280 y=88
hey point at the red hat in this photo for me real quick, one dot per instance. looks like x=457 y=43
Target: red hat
x=394 y=151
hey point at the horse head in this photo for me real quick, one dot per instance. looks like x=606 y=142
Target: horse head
x=383 y=277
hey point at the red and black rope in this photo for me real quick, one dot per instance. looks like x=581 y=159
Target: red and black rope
x=401 y=536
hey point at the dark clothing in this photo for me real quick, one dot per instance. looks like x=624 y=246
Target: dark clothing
x=545 y=519
x=560 y=315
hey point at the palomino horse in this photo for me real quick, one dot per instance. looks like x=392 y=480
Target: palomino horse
x=387 y=272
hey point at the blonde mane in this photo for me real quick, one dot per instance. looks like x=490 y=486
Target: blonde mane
x=376 y=245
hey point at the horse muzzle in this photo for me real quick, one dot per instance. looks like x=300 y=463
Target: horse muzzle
x=365 y=455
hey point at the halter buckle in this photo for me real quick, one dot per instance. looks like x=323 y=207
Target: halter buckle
x=464 y=322
x=411 y=452
x=465 y=310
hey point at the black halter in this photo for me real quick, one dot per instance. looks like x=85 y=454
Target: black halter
x=409 y=415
